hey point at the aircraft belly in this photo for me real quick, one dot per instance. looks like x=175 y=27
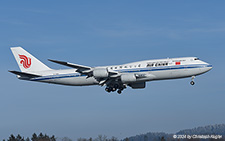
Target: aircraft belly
x=179 y=73
x=75 y=81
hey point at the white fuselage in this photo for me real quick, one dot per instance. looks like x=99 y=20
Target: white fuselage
x=170 y=68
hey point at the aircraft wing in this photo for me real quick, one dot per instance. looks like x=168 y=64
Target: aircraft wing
x=80 y=68
x=85 y=69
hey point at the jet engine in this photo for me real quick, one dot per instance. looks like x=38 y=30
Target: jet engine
x=128 y=78
x=100 y=73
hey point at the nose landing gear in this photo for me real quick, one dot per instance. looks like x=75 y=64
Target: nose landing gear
x=192 y=80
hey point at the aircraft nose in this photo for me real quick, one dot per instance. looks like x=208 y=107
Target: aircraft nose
x=205 y=68
x=209 y=67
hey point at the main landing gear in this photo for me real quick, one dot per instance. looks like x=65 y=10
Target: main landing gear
x=192 y=80
x=114 y=88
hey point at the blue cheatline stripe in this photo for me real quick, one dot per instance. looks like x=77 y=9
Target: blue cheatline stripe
x=56 y=77
x=164 y=68
x=125 y=71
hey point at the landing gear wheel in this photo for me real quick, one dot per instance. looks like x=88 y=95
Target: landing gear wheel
x=108 y=90
x=113 y=89
x=192 y=80
x=119 y=91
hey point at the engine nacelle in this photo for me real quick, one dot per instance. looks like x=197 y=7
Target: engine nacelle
x=100 y=73
x=128 y=78
x=138 y=85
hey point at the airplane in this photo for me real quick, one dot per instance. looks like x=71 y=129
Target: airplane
x=114 y=77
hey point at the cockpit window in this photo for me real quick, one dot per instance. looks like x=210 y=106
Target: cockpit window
x=196 y=58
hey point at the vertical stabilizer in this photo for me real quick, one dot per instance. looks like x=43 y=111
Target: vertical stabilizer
x=27 y=62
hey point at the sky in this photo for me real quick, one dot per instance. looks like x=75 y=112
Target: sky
x=95 y=33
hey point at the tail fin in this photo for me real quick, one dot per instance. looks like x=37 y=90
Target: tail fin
x=27 y=62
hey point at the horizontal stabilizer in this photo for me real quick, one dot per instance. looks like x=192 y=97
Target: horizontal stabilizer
x=24 y=74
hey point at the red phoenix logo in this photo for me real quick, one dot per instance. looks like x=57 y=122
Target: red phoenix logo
x=25 y=61
x=177 y=63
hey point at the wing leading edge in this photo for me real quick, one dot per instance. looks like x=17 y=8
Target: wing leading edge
x=80 y=68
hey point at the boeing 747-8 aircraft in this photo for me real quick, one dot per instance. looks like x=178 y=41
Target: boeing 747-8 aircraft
x=116 y=77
